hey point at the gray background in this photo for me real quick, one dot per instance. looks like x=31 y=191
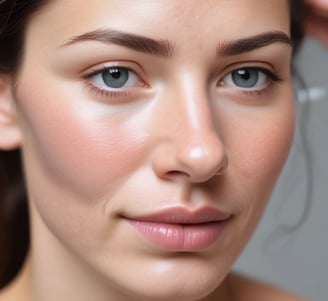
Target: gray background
x=298 y=261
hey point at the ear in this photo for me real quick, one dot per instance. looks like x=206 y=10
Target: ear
x=10 y=136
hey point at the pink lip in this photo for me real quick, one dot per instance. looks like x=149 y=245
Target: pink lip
x=181 y=229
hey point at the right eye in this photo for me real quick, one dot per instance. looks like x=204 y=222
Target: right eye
x=111 y=78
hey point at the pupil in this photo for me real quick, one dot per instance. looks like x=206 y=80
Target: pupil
x=245 y=78
x=115 y=77
x=115 y=73
x=245 y=75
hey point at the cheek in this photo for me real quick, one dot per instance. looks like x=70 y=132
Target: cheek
x=265 y=150
x=82 y=150
x=258 y=148
x=258 y=153
x=258 y=140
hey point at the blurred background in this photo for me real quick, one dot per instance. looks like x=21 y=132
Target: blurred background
x=297 y=259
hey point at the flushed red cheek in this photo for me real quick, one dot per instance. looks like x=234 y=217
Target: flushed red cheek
x=85 y=153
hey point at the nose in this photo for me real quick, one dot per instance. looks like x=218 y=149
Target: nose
x=191 y=146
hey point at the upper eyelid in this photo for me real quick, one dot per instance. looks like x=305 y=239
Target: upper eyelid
x=99 y=68
x=136 y=68
x=256 y=65
x=132 y=66
x=272 y=75
x=264 y=70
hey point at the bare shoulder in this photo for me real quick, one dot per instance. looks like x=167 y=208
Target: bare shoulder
x=248 y=289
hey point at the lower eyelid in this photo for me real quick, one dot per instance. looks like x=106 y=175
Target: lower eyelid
x=103 y=90
x=120 y=95
x=105 y=94
x=270 y=76
x=124 y=92
x=253 y=94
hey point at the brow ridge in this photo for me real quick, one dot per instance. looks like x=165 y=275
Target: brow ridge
x=232 y=48
x=136 y=42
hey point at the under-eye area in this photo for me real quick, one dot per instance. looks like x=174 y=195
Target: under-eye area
x=152 y=135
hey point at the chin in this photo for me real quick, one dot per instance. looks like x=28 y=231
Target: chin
x=171 y=279
x=175 y=291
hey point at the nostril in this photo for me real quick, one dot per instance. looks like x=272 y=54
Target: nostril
x=195 y=158
x=209 y=168
x=176 y=173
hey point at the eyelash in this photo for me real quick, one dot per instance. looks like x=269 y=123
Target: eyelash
x=273 y=77
x=117 y=93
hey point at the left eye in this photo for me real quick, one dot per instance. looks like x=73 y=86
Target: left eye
x=115 y=78
x=246 y=78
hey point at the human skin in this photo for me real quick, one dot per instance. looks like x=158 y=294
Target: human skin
x=316 y=24
x=181 y=136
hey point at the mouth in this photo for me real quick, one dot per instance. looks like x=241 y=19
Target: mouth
x=180 y=229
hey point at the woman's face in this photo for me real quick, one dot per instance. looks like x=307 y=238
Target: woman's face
x=153 y=133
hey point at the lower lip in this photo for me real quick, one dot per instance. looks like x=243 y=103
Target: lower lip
x=192 y=237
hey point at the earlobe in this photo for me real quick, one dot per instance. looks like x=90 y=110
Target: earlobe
x=10 y=136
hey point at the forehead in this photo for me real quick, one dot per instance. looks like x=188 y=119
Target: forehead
x=172 y=19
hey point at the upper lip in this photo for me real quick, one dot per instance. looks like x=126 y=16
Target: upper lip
x=181 y=215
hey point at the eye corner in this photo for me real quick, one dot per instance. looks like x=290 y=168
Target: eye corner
x=249 y=77
x=250 y=80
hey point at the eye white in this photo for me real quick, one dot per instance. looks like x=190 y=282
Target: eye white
x=115 y=78
x=245 y=78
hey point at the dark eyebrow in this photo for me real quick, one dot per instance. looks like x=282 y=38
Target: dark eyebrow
x=248 y=44
x=136 y=42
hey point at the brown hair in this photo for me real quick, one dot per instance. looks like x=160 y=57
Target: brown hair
x=14 y=225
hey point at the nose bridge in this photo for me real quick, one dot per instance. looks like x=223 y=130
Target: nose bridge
x=193 y=137
x=195 y=121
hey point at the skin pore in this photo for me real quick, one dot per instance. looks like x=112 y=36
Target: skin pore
x=178 y=133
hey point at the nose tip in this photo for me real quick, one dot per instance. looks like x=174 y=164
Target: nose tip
x=203 y=161
x=198 y=160
x=191 y=144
